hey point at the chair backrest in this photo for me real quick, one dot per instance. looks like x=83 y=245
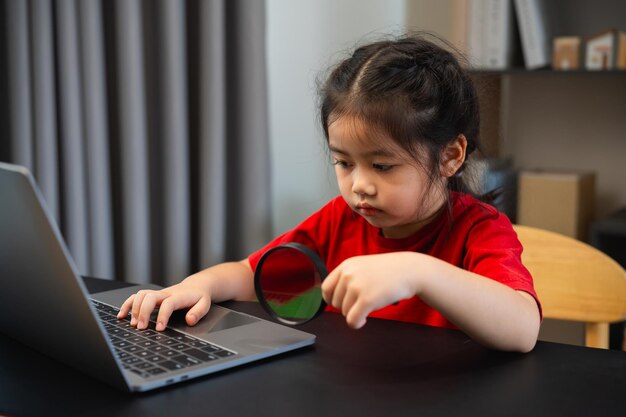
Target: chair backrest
x=575 y=281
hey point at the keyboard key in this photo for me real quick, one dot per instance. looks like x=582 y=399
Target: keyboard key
x=146 y=343
x=122 y=344
x=140 y=372
x=133 y=349
x=158 y=337
x=154 y=358
x=223 y=353
x=169 y=353
x=196 y=353
x=198 y=343
x=131 y=360
x=187 y=360
x=136 y=339
x=158 y=348
x=144 y=365
x=185 y=339
x=121 y=354
x=172 y=366
x=143 y=354
x=115 y=330
x=210 y=348
x=179 y=346
x=155 y=371
x=169 y=333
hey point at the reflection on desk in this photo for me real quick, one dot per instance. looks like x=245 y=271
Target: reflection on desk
x=386 y=368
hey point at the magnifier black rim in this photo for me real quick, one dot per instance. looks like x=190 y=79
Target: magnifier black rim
x=317 y=262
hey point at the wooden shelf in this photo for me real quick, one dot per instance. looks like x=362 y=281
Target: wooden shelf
x=547 y=71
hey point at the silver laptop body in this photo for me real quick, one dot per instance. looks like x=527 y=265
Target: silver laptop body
x=45 y=305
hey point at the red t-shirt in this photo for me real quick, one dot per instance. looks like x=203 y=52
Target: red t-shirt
x=475 y=237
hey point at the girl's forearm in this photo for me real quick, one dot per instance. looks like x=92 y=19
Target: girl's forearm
x=227 y=281
x=489 y=312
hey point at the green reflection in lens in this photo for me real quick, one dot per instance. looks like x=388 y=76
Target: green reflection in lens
x=295 y=306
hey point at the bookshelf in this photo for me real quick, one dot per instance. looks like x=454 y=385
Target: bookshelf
x=490 y=85
x=555 y=119
x=558 y=120
x=547 y=71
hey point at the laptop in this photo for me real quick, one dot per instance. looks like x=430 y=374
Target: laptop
x=45 y=305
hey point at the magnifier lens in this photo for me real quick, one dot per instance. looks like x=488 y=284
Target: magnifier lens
x=289 y=283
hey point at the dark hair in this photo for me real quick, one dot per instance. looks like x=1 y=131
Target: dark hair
x=412 y=89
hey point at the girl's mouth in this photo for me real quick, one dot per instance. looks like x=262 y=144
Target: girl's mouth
x=365 y=209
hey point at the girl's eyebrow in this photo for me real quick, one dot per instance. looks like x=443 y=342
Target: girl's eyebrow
x=336 y=150
x=375 y=152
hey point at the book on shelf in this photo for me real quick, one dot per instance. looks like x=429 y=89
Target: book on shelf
x=490 y=33
x=606 y=51
x=566 y=53
x=475 y=33
x=535 y=35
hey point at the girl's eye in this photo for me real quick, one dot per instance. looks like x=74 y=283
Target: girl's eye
x=341 y=163
x=382 y=167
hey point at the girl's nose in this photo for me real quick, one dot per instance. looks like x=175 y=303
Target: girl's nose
x=362 y=183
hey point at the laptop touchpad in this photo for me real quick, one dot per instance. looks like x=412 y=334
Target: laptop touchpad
x=217 y=319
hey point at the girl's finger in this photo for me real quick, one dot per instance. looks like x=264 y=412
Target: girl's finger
x=340 y=292
x=165 y=312
x=125 y=308
x=348 y=301
x=150 y=301
x=198 y=311
x=328 y=286
x=134 y=313
x=357 y=316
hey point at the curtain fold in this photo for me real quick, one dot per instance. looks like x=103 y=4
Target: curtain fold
x=71 y=117
x=133 y=148
x=96 y=130
x=44 y=105
x=247 y=80
x=212 y=132
x=19 y=82
x=145 y=125
x=173 y=126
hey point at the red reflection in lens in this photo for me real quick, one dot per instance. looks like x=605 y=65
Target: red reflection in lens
x=287 y=273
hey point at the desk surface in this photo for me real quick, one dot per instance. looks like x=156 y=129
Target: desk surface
x=385 y=369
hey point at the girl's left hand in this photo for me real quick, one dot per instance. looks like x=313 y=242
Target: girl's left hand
x=362 y=284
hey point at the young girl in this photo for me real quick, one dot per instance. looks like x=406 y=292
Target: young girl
x=405 y=240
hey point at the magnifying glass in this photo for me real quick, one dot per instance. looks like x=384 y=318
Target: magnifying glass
x=288 y=283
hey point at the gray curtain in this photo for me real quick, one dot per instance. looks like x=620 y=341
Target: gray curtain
x=145 y=126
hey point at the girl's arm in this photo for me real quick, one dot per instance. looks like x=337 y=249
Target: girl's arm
x=488 y=311
x=227 y=281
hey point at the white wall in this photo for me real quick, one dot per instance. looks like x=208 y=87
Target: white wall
x=304 y=37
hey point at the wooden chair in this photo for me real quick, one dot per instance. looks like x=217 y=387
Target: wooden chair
x=575 y=281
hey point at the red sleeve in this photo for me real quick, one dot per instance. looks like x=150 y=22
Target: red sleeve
x=494 y=251
x=314 y=232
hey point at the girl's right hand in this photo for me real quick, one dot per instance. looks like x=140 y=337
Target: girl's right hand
x=184 y=295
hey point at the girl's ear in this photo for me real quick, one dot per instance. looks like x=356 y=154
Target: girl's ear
x=453 y=156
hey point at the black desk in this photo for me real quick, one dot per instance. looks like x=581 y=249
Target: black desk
x=385 y=369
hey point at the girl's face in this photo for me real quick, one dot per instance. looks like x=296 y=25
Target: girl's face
x=381 y=181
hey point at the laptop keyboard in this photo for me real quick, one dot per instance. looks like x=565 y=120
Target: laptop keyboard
x=150 y=353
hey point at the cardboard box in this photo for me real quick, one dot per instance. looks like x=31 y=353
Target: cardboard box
x=559 y=201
